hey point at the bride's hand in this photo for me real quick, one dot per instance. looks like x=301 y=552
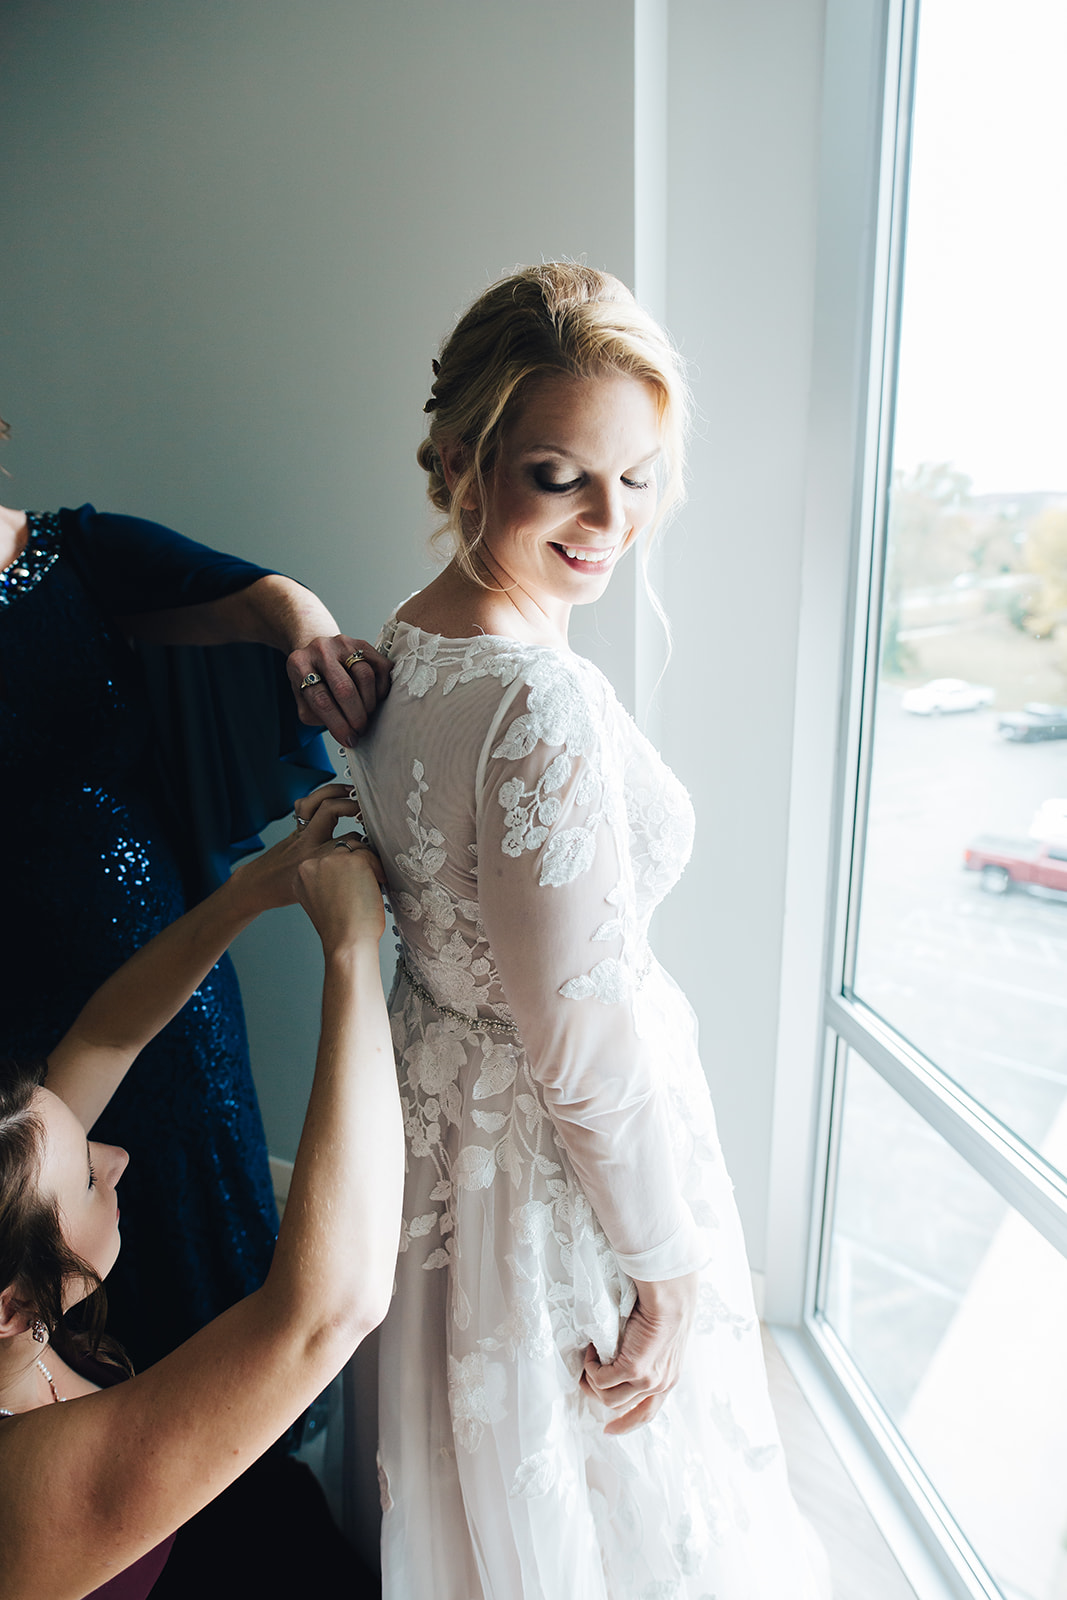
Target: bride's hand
x=648 y=1362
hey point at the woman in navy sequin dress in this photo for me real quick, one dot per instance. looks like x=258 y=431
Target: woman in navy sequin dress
x=79 y=733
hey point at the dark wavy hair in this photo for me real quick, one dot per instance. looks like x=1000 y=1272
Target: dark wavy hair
x=35 y=1259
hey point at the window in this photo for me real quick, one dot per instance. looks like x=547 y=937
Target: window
x=941 y=1295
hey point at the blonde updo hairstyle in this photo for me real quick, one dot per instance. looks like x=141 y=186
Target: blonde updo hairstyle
x=554 y=318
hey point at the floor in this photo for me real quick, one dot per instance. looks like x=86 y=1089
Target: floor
x=862 y=1564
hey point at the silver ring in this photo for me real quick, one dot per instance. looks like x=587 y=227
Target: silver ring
x=343 y=844
x=310 y=679
x=357 y=655
x=301 y=822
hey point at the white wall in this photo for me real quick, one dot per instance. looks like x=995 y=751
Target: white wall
x=743 y=156
x=234 y=235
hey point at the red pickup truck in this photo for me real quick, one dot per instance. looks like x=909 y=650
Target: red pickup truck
x=1026 y=862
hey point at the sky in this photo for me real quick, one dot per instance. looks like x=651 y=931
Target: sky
x=983 y=360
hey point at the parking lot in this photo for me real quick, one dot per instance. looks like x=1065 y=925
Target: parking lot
x=952 y=1306
x=977 y=981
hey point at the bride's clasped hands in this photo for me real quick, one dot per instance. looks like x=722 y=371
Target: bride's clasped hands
x=648 y=1363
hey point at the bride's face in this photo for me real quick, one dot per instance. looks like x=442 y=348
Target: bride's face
x=573 y=485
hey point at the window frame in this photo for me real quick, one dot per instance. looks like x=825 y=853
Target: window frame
x=868 y=94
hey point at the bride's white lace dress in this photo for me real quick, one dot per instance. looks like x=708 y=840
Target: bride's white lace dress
x=560 y=1141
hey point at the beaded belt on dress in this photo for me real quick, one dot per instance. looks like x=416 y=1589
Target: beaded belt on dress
x=476 y=1024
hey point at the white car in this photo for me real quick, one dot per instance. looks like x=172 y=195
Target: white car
x=1050 y=823
x=946 y=694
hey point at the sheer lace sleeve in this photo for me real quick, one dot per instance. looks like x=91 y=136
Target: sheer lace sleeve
x=557 y=897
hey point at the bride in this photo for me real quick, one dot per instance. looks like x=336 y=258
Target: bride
x=573 y=1401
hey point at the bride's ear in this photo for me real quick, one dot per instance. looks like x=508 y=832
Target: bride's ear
x=455 y=460
x=15 y=1315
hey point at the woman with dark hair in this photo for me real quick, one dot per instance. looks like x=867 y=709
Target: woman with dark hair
x=573 y=1395
x=92 y=1491
x=146 y=698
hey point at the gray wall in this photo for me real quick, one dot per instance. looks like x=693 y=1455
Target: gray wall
x=234 y=235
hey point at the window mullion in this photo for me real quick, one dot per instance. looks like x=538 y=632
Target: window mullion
x=1028 y=1183
x=878 y=450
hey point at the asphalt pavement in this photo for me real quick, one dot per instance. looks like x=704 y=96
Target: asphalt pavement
x=977 y=981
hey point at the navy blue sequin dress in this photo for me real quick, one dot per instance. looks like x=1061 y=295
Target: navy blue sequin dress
x=92 y=872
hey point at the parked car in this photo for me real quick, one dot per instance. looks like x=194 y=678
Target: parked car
x=946 y=694
x=1024 y=863
x=1034 y=721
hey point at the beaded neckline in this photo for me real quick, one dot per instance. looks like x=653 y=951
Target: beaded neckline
x=35 y=561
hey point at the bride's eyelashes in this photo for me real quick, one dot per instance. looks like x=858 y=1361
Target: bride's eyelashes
x=549 y=485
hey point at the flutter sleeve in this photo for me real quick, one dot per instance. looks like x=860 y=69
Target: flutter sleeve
x=230 y=753
x=129 y=565
x=556 y=893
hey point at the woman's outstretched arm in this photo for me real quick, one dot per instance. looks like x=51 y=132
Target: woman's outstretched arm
x=350 y=1157
x=137 y=1001
x=88 y=1487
